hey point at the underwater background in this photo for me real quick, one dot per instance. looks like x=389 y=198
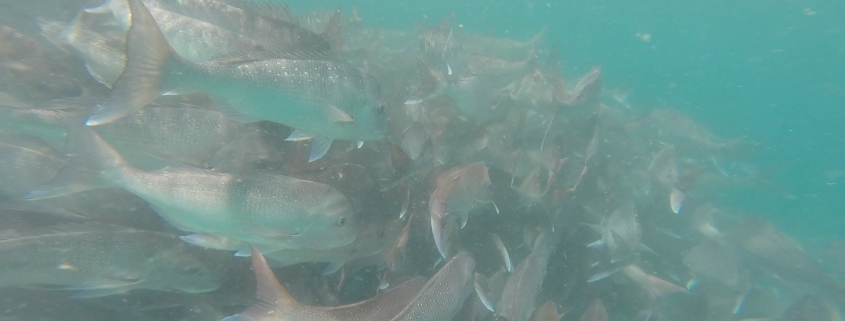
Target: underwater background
x=771 y=71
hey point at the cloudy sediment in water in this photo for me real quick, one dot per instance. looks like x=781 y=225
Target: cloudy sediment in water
x=255 y=160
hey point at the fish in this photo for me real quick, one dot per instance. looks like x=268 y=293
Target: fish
x=272 y=26
x=522 y=287
x=595 y=311
x=715 y=262
x=621 y=233
x=702 y=222
x=159 y=135
x=25 y=163
x=274 y=302
x=93 y=260
x=655 y=287
x=774 y=251
x=459 y=190
x=408 y=301
x=443 y=295
x=300 y=214
x=191 y=38
x=43 y=121
x=102 y=51
x=548 y=312
x=323 y=96
x=587 y=89
x=504 y=252
x=808 y=308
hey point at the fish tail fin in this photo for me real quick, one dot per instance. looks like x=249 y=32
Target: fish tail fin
x=147 y=53
x=431 y=84
x=52 y=30
x=93 y=164
x=272 y=296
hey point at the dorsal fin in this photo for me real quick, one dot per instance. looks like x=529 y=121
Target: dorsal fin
x=331 y=31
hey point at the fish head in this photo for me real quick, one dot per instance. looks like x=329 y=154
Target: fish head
x=333 y=226
x=186 y=269
x=371 y=121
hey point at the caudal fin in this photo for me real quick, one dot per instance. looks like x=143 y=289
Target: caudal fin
x=93 y=164
x=147 y=51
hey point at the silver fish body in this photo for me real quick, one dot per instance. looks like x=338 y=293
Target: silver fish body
x=102 y=260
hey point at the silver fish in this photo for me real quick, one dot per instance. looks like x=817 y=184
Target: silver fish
x=102 y=52
x=100 y=260
x=322 y=96
x=271 y=211
x=444 y=294
x=521 y=288
x=275 y=303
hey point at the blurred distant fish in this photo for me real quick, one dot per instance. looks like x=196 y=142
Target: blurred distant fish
x=548 y=312
x=459 y=191
x=191 y=38
x=103 y=52
x=620 y=233
x=270 y=211
x=714 y=262
x=271 y=25
x=25 y=163
x=98 y=260
x=323 y=96
x=587 y=89
x=595 y=311
x=521 y=289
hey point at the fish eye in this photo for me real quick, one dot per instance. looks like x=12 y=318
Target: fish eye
x=341 y=221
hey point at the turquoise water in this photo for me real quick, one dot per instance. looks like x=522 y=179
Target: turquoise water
x=771 y=73
x=774 y=72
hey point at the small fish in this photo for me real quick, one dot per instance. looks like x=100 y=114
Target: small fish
x=715 y=262
x=504 y=252
x=25 y=163
x=300 y=214
x=594 y=312
x=98 y=260
x=323 y=96
x=274 y=302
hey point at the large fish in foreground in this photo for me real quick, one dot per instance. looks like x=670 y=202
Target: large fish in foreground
x=272 y=212
x=97 y=260
x=438 y=299
x=317 y=93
